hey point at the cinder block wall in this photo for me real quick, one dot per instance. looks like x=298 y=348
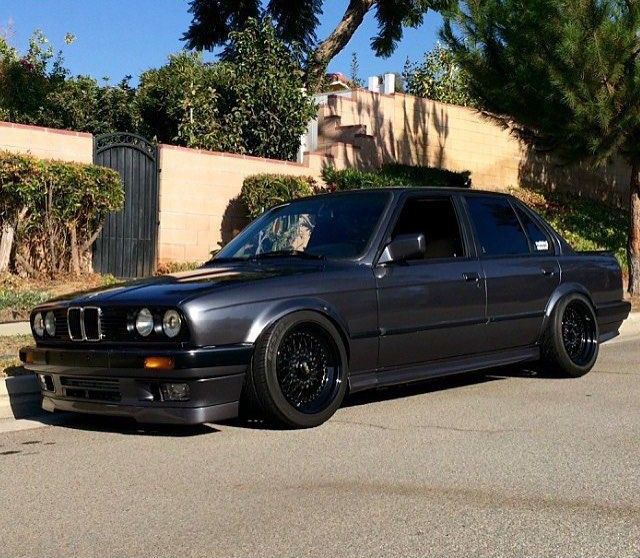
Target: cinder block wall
x=199 y=190
x=46 y=143
x=416 y=131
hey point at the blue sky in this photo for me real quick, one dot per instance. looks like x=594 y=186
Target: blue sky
x=119 y=37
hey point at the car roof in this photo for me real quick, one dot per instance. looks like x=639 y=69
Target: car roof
x=418 y=189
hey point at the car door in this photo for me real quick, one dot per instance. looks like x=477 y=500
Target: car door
x=430 y=307
x=520 y=268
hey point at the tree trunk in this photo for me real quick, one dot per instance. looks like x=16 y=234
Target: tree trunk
x=75 y=256
x=7 y=233
x=633 y=245
x=334 y=43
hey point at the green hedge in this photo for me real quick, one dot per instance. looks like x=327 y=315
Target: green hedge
x=394 y=175
x=56 y=210
x=262 y=191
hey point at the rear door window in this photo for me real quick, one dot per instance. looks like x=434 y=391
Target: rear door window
x=540 y=241
x=497 y=226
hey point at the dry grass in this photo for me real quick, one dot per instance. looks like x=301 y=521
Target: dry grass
x=18 y=295
x=9 y=362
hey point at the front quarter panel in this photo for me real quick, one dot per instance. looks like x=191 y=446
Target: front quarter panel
x=345 y=295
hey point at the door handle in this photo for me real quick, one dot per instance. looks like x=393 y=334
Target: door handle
x=471 y=277
x=548 y=272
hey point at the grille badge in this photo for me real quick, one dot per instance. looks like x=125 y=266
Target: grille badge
x=76 y=321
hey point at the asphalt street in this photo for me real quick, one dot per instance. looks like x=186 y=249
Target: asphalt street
x=505 y=464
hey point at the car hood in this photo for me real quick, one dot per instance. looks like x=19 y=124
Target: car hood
x=180 y=287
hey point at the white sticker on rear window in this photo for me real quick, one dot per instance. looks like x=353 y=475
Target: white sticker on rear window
x=542 y=245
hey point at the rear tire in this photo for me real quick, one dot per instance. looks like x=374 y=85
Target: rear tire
x=298 y=375
x=570 y=343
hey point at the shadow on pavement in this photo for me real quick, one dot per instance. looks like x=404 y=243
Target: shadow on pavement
x=418 y=388
x=533 y=371
x=384 y=394
x=122 y=425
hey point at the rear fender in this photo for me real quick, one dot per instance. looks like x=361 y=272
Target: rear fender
x=561 y=291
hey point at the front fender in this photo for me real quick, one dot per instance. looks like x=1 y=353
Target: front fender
x=279 y=309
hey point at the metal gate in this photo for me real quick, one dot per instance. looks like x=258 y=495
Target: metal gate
x=127 y=245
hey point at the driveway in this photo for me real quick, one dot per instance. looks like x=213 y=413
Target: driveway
x=504 y=465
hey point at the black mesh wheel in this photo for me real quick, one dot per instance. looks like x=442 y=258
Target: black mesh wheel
x=298 y=373
x=570 y=342
x=579 y=333
x=308 y=368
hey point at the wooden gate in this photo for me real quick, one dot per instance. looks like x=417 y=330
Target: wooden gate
x=127 y=246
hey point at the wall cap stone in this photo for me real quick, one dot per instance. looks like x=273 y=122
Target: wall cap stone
x=44 y=129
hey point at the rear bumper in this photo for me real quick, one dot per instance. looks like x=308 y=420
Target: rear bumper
x=610 y=318
x=116 y=383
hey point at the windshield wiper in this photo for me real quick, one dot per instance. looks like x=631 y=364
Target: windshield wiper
x=287 y=254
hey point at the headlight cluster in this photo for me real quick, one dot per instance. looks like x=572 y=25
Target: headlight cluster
x=42 y=323
x=171 y=323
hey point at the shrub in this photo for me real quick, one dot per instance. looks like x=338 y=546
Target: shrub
x=168 y=268
x=56 y=210
x=394 y=175
x=352 y=179
x=426 y=176
x=584 y=223
x=262 y=191
x=21 y=300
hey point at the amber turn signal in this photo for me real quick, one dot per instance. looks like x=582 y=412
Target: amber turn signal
x=159 y=363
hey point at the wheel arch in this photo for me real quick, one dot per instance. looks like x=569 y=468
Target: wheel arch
x=558 y=294
x=278 y=311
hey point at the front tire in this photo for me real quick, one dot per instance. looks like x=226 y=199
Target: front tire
x=298 y=375
x=570 y=344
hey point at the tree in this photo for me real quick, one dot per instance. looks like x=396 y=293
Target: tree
x=296 y=23
x=266 y=109
x=178 y=101
x=566 y=73
x=35 y=88
x=251 y=103
x=354 y=71
x=438 y=77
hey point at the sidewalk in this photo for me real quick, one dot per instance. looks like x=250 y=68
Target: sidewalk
x=15 y=328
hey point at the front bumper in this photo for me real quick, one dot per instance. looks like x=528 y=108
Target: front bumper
x=116 y=383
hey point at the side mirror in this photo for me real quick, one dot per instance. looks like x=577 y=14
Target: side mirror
x=403 y=247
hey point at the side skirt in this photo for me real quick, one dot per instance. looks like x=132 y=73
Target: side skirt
x=439 y=368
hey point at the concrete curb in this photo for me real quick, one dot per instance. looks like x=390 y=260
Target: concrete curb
x=20 y=397
x=631 y=326
x=15 y=328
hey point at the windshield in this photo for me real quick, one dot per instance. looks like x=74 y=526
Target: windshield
x=321 y=227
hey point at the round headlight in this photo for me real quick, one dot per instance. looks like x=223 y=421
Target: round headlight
x=50 y=323
x=38 y=324
x=171 y=323
x=144 y=322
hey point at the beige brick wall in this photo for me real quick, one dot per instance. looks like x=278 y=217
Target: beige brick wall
x=46 y=143
x=198 y=198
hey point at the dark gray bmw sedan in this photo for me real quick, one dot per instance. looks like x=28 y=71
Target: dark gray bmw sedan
x=327 y=295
